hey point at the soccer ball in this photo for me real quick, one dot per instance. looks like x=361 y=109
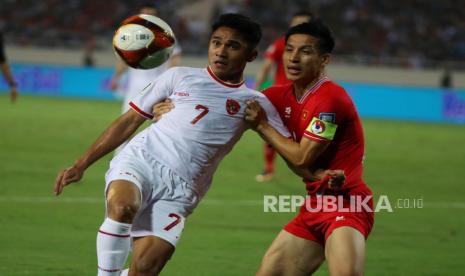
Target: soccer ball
x=144 y=41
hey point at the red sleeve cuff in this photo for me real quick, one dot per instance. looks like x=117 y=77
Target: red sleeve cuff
x=140 y=111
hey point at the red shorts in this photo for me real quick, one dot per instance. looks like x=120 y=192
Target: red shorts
x=317 y=224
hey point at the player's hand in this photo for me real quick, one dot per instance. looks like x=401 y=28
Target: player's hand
x=66 y=177
x=336 y=179
x=161 y=108
x=254 y=114
x=13 y=94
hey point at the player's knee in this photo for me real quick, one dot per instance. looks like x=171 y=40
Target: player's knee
x=122 y=211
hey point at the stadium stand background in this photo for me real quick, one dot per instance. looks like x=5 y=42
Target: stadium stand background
x=401 y=48
x=411 y=33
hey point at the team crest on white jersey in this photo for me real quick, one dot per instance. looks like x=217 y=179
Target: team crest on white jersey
x=232 y=106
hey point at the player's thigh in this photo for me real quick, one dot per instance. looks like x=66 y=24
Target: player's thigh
x=155 y=220
x=150 y=254
x=345 y=251
x=123 y=199
x=291 y=255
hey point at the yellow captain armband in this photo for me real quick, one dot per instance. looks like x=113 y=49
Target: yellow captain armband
x=322 y=129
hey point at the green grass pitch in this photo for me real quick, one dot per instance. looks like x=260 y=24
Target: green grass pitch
x=229 y=232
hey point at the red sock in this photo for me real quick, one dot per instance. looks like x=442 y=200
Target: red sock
x=270 y=155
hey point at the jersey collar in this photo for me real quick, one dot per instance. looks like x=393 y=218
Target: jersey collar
x=313 y=88
x=235 y=85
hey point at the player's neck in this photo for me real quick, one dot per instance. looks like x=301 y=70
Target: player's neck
x=302 y=86
x=233 y=79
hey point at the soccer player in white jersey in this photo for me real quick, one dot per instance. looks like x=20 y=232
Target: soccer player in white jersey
x=159 y=177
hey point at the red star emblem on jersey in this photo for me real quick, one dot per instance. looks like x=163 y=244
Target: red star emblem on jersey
x=232 y=106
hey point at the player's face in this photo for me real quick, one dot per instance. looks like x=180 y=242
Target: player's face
x=228 y=53
x=302 y=61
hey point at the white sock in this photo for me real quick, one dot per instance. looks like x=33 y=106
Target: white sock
x=124 y=272
x=112 y=247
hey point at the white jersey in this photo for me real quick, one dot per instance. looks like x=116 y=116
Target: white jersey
x=206 y=122
x=137 y=79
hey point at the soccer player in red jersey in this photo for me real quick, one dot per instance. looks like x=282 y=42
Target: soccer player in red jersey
x=327 y=133
x=274 y=58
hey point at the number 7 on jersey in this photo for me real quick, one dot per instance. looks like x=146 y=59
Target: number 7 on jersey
x=204 y=112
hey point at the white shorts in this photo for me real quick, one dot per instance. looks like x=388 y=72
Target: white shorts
x=166 y=198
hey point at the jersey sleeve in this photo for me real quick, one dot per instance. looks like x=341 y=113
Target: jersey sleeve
x=273 y=116
x=154 y=93
x=326 y=118
x=268 y=92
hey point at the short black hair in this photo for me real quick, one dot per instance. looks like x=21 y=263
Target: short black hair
x=250 y=30
x=316 y=28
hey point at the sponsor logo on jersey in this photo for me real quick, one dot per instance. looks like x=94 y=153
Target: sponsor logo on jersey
x=232 y=106
x=287 y=112
x=181 y=94
x=328 y=117
x=322 y=129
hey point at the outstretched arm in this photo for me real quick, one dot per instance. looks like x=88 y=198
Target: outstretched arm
x=300 y=155
x=335 y=178
x=118 y=132
x=307 y=173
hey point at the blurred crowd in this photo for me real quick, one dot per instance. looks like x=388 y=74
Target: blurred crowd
x=410 y=33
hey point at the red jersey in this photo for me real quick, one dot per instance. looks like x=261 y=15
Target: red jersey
x=325 y=114
x=275 y=53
